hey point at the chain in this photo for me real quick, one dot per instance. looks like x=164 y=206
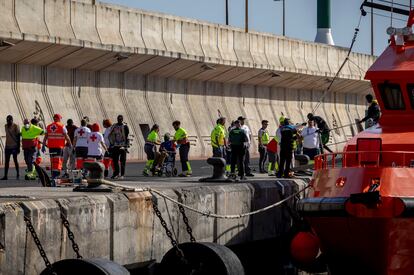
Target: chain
x=188 y=227
x=174 y=243
x=71 y=236
x=36 y=240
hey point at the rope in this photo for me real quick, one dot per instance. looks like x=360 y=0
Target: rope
x=341 y=67
x=205 y=213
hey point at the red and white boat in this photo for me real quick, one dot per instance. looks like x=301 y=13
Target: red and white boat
x=361 y=205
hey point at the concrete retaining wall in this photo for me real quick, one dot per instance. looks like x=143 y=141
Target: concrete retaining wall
x=28 y=89
x=124 y=228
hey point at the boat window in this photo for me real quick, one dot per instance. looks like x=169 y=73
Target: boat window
x=410 y=91
x=391 y=96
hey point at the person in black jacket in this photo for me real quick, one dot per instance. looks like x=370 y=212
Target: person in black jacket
x=287 y=145
x=238 y=143
x=373 y=110
x=323 y=129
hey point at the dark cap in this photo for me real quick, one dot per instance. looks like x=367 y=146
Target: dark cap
x=237 y=122
x=241 y=118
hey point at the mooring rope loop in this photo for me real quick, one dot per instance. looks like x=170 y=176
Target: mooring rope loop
x=205 y=213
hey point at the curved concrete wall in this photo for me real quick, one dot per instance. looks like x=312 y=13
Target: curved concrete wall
x=28 y=89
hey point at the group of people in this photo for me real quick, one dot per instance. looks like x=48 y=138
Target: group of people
x=155 y=157
x=69 y=146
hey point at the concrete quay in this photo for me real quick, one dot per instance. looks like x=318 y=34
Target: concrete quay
x=123 y=227
x=89 y=58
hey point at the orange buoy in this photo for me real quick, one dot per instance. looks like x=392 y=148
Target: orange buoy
x=304 y=247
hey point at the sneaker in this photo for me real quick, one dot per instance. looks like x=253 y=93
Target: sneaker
x=121 y=177
x=4 y=178
x=249 y=175
x=115 y=177
x=231 y=176
x=271 y=174
x=243 y=178
x=184 y=175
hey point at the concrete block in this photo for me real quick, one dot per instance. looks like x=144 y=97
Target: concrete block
x=272 y=52
x=209 y=42
x=30 y=16
x=61 y=93
x=158 y=103
x=251 y=112
x=176 y=91
x=83 y=22
x=135 y=96
x=57 y=18
x=131 y=227
x=257 y=50
x=29 y=89
x=298 y=56
x=311 y=58
x=263 y=106
x=107 y=24
x=172 y=35
x=292 y=104
x=285 y=54
x=131 y=28
x=226 y=46
x=242 y=48
x=278 y=102
x=7 y=19
x=86 y=91
x=46 y=221
x=90 y=222
x=12 y=239
x=152 y=32
x=230 y=232
x=192 y=39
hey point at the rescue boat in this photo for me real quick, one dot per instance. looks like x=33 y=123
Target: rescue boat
x=361 y=204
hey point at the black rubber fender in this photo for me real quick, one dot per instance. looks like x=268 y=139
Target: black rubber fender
x=96 y=266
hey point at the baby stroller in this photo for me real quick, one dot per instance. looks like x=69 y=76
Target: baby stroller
x=166 y=166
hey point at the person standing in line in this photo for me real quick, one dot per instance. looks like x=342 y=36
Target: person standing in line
x=287 y=146
x=119 y=142
x=150 y=148
x=30 y=139
x=56 y=138
x=12 y=147
x=80 y=143
x=96 y=144
x=246 y=129
x=181 y=138
x=238 y=142
x=263 y=139
x=218 y=138
x=310 y=140
x=107 y=124
x=68 y=154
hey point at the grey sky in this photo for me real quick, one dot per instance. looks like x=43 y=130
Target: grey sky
x=266 y=16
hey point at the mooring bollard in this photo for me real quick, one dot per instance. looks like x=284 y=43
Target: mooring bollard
x=218 y=170
x=95 y=175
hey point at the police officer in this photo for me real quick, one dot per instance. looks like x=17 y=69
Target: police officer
x=238 y=142
x=181 y=138
x=287 y=145
x=56 y=138
x=218 y=138
x=263 y=138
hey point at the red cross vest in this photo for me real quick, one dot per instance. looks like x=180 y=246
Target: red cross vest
x=55 y=135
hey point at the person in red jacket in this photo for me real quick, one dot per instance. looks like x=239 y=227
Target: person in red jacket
x=56 y=138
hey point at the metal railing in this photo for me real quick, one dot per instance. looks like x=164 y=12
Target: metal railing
x=365 y=159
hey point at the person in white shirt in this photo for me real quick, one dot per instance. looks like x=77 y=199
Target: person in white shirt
x=80 y=143
x=96 y=143
x=310 y=136
x=246 y=129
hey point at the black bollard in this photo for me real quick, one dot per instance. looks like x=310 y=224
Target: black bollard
x=218 y=170
x=95 y=174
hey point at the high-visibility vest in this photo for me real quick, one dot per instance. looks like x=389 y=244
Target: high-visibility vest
x=30 y=136
x=218 y=135
x=265 y=138
x=55 y=135
x=153 y=137
x=181 y=136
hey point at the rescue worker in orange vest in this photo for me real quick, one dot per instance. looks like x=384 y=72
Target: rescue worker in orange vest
x=56 y=138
